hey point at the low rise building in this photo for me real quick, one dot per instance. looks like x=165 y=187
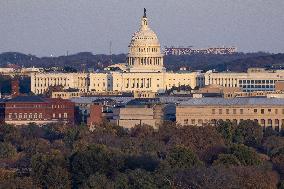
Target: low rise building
x=255 y=79
x=143 y=111
x=41 y=82
x=268 y=112
x=23 y=110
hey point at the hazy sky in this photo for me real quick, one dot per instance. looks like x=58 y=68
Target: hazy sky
x=44 y=27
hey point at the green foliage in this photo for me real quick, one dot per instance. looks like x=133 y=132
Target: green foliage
x=94 y=159
x=245 y=155
x=8 y=133
x=225 y=128
x=58 y=156
x=98 y=181
x=249 y=133
x=146 y=162
x=141 y=179
x=50 y=171
x=7 y=150
x=182 y=158
x=227 y=160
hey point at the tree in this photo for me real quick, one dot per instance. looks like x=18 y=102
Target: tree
x=273 y=144
x=225 y=128
x=182 y=158
x=245 y=155
x=278 y=162
x=141 y=179
x=141 y=131
x=227 y=160
x=249 y=133
x=146 y=162
x=92 y=160
x=9 y=133
x=7 y=150
x=98 y=181
x=50 y=171
x=226 y=177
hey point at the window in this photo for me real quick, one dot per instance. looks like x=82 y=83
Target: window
x=255 y=110
x=269 y=110
x=227 y=111
x=53 y=115
x=213 y=111
x=59 y=115
x=234 y=111
x=193 y=121
x=276 y=111
x=262 y=111
x=241 y=111
x=65 y=115
x=186 y=121
x=35 y=116
x=40 y=115
x=220 y=111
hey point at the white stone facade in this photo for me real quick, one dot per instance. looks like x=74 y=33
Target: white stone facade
x=256 y=79
x=144 y=71
x=40 y=82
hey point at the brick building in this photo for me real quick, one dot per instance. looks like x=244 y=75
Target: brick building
x=23 y=110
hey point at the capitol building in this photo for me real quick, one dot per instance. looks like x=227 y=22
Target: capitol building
x=143 y=71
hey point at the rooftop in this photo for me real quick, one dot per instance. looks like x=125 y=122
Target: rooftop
x=230 y=102
x=26 y=99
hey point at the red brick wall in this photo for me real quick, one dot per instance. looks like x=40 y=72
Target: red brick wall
x=15 y=89
x=95 y=114
x=17 y=111
x=56 y=110
x=62 y=110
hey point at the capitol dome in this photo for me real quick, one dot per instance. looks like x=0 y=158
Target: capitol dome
x=145 y=50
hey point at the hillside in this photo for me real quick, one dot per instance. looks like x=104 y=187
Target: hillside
x=87 y=60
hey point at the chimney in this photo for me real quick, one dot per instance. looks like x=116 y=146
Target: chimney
x=15 y=88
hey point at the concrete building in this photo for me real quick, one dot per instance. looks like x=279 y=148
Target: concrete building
x=40 y=82
x=268 y=112
x=143 y=111
x=255 y=79
x=143 y=71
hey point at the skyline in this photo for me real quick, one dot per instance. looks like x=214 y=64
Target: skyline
x=43 y=28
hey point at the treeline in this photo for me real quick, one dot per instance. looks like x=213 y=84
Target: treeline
x=58 y=156
x=86 y=60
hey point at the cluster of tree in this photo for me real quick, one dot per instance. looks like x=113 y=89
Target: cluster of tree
x=71 y=63
x=60 y=156
x=86 y=60
x=24 y=84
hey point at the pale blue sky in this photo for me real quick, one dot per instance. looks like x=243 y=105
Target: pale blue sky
x=44 y=27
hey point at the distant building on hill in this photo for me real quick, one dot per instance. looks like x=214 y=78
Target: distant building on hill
x=191 y=51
